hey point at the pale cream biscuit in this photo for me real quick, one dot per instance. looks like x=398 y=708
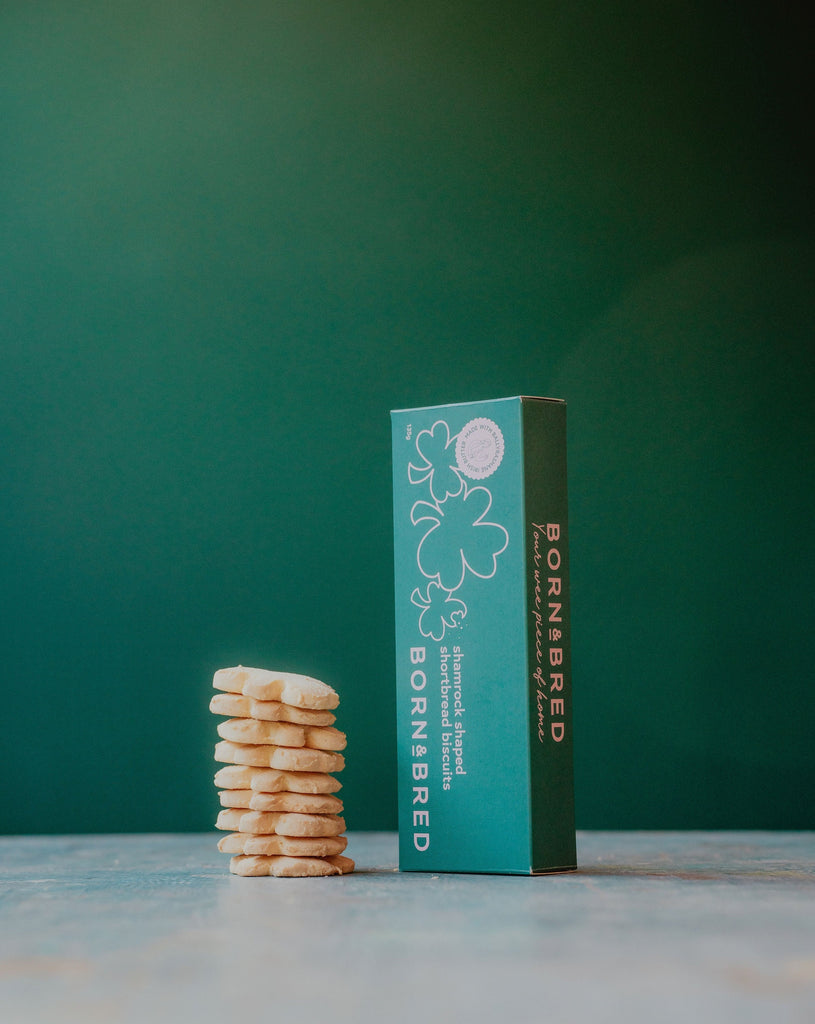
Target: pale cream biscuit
x=235 y=798
x=290 y=867
x=325 y=738
x=235 y=705
x=247 y=730
x=288 y=846
x=295 y=846
x=271 y=780
x=287 y=759
x=234 y=843
x=296 y=803
x=281 y=734
x=299 y=691
x=236 y=819
x=299 y=803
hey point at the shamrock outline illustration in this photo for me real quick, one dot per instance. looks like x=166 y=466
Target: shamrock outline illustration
x=428 y=602
x=432 y=469
x=423 y=511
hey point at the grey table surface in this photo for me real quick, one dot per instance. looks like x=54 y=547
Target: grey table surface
x=653 y=926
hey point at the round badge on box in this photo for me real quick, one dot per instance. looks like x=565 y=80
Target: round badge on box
x=479 y=448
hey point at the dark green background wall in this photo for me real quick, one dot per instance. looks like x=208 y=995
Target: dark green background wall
x=235 y=235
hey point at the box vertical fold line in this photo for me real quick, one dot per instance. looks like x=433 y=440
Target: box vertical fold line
x=483 y=637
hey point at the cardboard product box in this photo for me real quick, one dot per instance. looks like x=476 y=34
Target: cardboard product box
x=483 y=663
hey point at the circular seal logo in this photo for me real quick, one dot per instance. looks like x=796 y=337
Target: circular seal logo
x=479 y=448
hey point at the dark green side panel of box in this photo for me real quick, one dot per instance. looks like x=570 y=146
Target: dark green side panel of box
x=549 y=647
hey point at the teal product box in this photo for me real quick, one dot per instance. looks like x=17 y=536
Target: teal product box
x=483 y=665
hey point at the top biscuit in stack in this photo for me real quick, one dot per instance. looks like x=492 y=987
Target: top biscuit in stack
x=286 y=687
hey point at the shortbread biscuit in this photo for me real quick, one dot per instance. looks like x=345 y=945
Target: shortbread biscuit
x=235 y=705
x=290 y=867
x=287 y=759
x=298 y=803
x=281 y=734
x=236 y=819
x=247 y=730
x=271 y=780
x=299 y=691
x=236 y=798
x=287 y=846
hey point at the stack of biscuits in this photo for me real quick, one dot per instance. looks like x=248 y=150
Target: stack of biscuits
x=277 y=788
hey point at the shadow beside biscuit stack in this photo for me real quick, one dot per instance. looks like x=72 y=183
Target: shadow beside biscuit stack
x=277 y=788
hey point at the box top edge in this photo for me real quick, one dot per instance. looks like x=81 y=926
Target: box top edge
x=484 y=401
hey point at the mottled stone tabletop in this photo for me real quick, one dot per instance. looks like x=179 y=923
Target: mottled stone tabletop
x=654 y=926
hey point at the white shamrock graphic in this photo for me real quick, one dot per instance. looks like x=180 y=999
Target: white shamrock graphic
x=459 y=538
x=437 y=452
x=440 y=611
